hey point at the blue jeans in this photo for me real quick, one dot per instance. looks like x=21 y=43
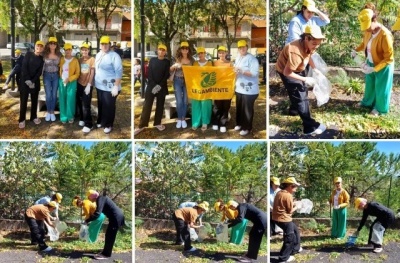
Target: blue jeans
x=50 y=80
x=181 y=97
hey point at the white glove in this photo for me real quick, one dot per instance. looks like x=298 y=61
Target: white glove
x=367 y=69
x=353 y=53
x=87 y=89
x=29 y=83
x=114 y=91
x=156 y=89
x=310 y=82
x=336 y=207
x=177 y=65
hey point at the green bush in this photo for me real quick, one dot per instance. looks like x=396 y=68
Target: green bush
x=315 y=227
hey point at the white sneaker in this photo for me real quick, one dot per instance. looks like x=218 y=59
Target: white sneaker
x=374 y=112
x=222 y=129
x=107 y=130
x=53 y=117
x=5 y=87
x=184 y=124
x=291 y=258
x=301 y=249
x=47 y=117
x=86 y=129
x=81 y=123
x=179 y=124
x=191 y=250
x=47 y=249
x=98 y=125
x=244 y=132
x=377 y=250
x=237 y=128
x=21 y=125
x=245 y=259
x=215 y=127
x=321 y=128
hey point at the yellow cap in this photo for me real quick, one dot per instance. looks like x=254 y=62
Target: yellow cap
x=146 y=59
x=206 y=204
x=217 y=206
x=67 y=46
x=85 y=45
x=241 y=43
x=314 y=31
x=184 y=44
x=275 y=180
x=52 y=39
x=52 y=204
x=118 y=44
x=364 y=17
x=359 y=201
x=337 y=180
x=162 y=46
x=105 y=40
x=232 y=203
x=92 y=193
x=396 y=25
x=310 y=4
x=18 y=51
x=203 y=206
x=58 y=197
x=201 y=50
x=221 y=48
x=39 y=42
x=290 y=180
x=75 y=202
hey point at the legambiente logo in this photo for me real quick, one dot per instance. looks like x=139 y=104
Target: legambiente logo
x=209 y=79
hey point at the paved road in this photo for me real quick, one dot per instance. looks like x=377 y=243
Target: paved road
x=360 y=254
x=33 y=256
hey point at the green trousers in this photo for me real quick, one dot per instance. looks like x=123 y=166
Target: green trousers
x=67 y=100
x=378 y=88
x=237 y=232
x=95 y=227
x=339 y=217
x=201 y=112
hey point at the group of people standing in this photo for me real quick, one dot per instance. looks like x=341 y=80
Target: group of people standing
x=298 y=55
x=69 y=81
x=204 y=112
x=283 y=207
x=94 y=210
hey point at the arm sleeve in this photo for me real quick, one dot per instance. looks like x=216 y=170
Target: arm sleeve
x=76 y=69
x=117 y=62
x=254 y=67
x=100 y=202
x=38 y=73
x=346 y=199
x=388 y=57
x=242 y=212
x=294 y=31
x=363 y=220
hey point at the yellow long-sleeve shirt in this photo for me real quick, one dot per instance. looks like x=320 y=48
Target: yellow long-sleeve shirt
x=88 y=208
x=343 y=199
x=74 y=69
x=381 y=48
x=229 y=213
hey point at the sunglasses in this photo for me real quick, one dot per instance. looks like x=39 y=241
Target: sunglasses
x=185 y=48
x=52 y=43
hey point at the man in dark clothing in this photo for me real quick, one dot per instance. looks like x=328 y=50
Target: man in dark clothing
x=259 y=220
x=384 y=218
x=158 y=74
x=16 y=71
x=115 y=217
x=32 y=68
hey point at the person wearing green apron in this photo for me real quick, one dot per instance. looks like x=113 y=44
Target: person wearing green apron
x=339 y=199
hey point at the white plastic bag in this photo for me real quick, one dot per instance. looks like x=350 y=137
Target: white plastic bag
x=54 y=235
x=322 y=90
x=202 y=234
x=193 y=234
x=319 y=63
x=61 y=226
x=377 y=233
x=306 y=206
x=84 y=232
x=222 y=232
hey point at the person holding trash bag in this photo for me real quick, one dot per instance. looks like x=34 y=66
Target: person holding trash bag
x=273 y=189
x=115 y=217
x=185 y=218
x=377 y=44
x=237 y=233
x=259 y=220
x=339 y=199
x=292 y=68
x=282 y=211
x=36 y=214
x=384 y=218
x=88 y=209
x=57 y=197
x=193 y=204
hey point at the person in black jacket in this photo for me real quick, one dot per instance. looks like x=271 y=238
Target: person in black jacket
x=32 y=68
x=156 y=88
x=115 y=217
x=259 y=220
x=16 y=71
x=384 y=218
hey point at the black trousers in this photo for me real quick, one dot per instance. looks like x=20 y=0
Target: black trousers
x=106 y=108
x=147 y=106
x=220 y=112
x=111 y=235
x=272 y=225
x=255 y=238
x=245 y=110
x=23 y=100
x=83 y=105
x=182 y=232
x=291 y=240
x=37 y=231
x=298 y=96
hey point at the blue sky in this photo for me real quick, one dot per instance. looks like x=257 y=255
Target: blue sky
x=386 y=146
x=232 y=145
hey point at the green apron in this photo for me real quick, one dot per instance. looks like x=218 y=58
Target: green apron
x=95 y=227
x=237 y=233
